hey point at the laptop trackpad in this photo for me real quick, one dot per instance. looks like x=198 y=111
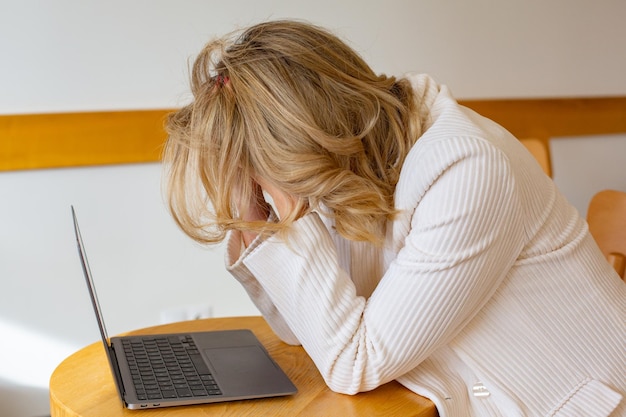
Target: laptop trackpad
x=244 y=370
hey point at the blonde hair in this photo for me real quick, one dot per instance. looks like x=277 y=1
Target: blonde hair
x=293 y=104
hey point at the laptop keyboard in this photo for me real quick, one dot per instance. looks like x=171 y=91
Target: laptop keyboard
x=168 y=367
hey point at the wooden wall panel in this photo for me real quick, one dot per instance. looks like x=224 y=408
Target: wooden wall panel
x=79 y=139
x=96 y=138
x=551 y=118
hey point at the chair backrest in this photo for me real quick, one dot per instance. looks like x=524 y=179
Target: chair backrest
x=541 y=152
x=606 y=216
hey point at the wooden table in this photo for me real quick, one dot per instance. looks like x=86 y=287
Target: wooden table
x=82 y=385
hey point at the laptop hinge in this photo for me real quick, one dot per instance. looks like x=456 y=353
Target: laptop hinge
x=117 y=376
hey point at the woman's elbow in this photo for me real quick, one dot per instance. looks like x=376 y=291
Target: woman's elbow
x=349 y=387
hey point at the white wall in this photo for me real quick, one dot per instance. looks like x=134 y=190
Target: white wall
x=585 y=165
x=85 y=54
x=75 y=55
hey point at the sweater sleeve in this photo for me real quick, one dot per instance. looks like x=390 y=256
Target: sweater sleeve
x=465 y=233
x=253 y=288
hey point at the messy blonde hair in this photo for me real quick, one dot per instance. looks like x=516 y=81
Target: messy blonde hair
x=291 y=103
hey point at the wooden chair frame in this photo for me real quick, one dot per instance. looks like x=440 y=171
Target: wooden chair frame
x=607 y=223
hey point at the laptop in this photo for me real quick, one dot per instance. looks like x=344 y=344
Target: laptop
x=164 y=370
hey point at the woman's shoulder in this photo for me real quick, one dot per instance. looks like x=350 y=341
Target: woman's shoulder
x=454 y=146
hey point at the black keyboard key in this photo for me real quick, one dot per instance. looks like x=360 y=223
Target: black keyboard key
x=184 y=392
x=170 y=394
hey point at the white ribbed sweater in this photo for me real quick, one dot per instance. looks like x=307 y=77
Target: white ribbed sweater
x=489 y=283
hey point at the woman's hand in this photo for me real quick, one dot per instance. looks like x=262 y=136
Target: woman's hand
x=253 y=209
x=284 y=203
x=257 y=209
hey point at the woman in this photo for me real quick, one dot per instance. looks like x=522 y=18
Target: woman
x=408 y=238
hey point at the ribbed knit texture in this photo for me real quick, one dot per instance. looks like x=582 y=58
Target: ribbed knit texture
x=488 y=277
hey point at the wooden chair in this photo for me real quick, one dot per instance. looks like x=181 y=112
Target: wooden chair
x=606 y=216
x=540 y=151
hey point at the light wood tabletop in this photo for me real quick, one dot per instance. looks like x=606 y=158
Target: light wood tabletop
x=82 y=385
